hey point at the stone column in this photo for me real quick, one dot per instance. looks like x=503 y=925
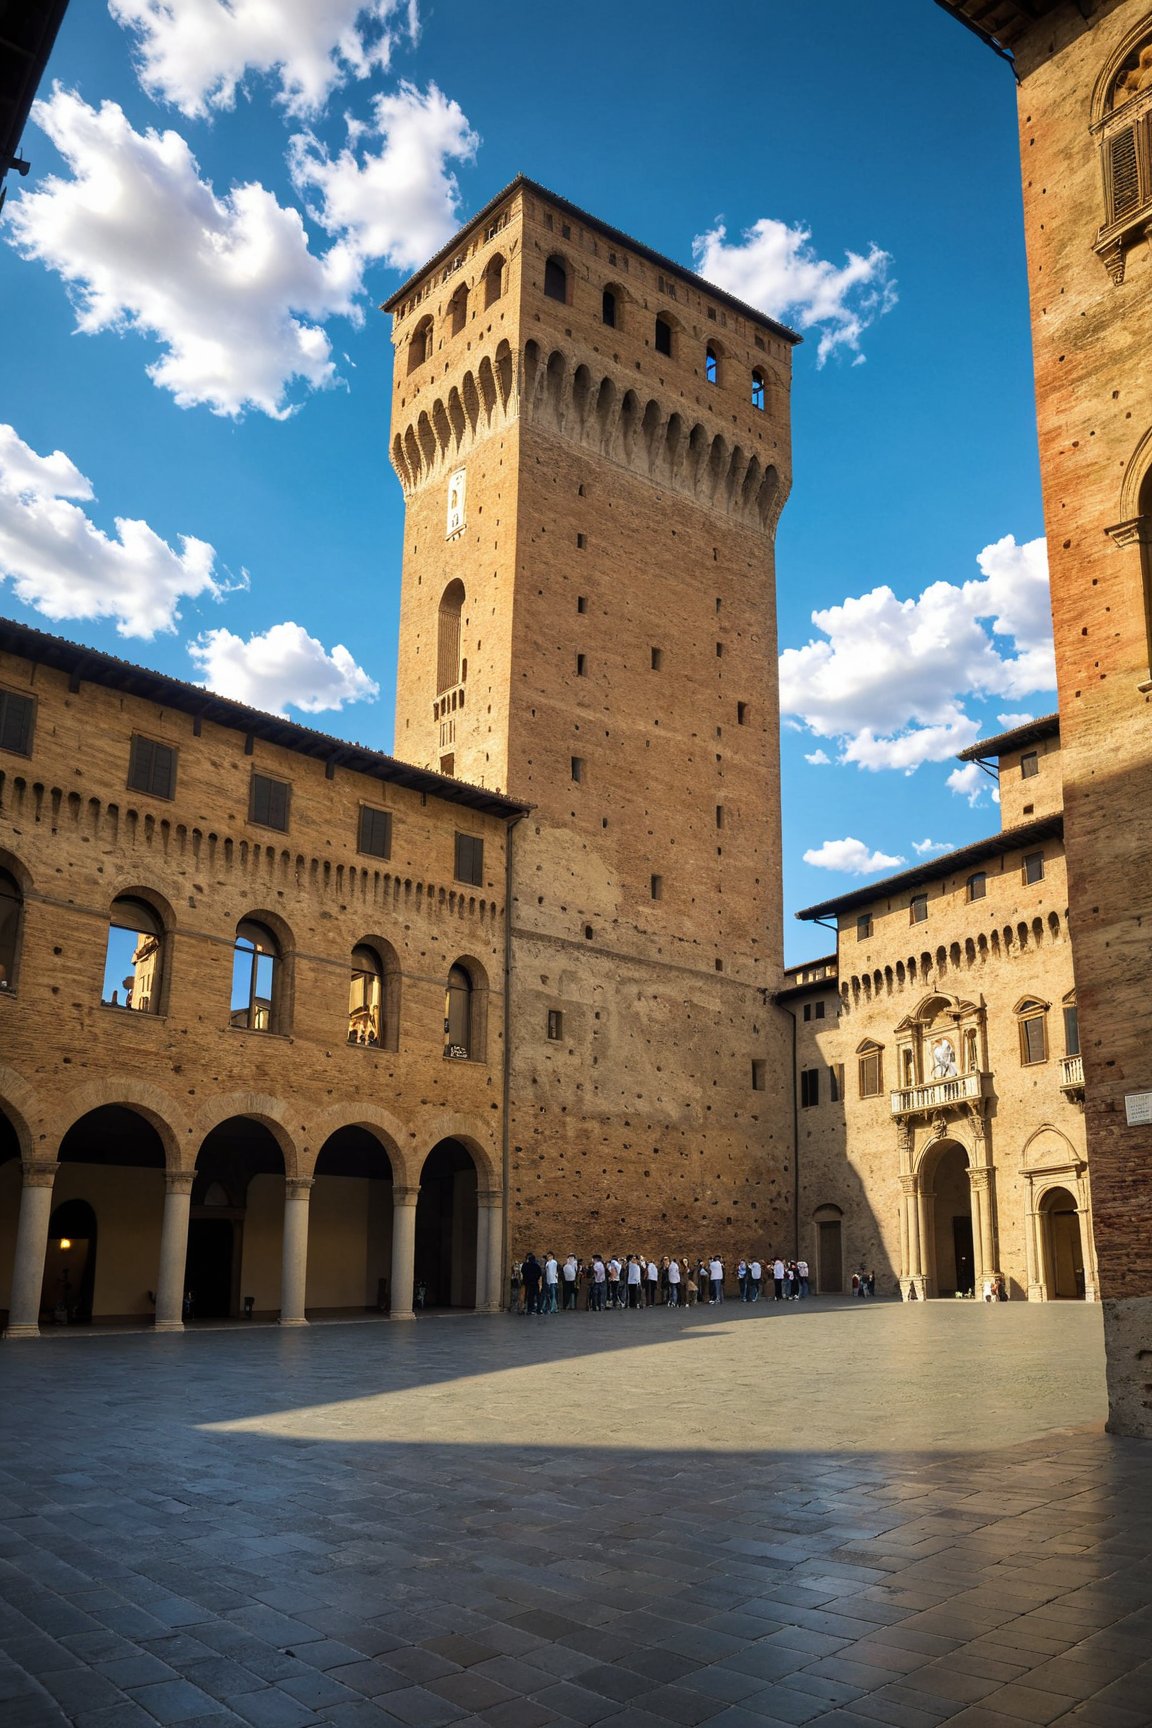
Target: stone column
x=403 y=1251
x=496 y=1255
x=489 y=1249
x=294 y=1274
x=173 y=1250
x=482 y=1204
x=923 y=1236
x=31 y=1247
x=1033 y=1248
x=909 y=1236
x=980 y=1182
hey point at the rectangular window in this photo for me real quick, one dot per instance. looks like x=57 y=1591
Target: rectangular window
x=152 y=768
x=470 y=860
x=555 y=1025
x=1033 y=1039
x=836 y=1082
x=1034 y=867
x=977 y=885
x=581 y=542
x=1071 y=1032
x=809 y=1087
x=1029 y=765
x=268 y=802
x=759 y=1075
x=863 y=926
x=807 y=1010
x=719 y=650
x=581 y=666
x=719 y=815
x=656 y=884
x=918 y=908
x=16 y=716
x=375 y=836
x=581 y=603
x=578 y=769
x=870 y=1074
x=741 y=713
x=657 y=659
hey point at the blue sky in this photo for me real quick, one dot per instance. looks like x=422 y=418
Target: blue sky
x=191 y=276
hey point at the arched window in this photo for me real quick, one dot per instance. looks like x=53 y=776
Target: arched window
x=458 y=309
x=420 y=344
x=870 y=1068
x=711 y=365
x=1071 y=1025
x=133 y=956
x=493 y=279
x=11 y=916
x=1032 y=1021
x=758 y=391
x=609 y=308
x=448 y=665
x=1124 y=127
x=556 y=280
x=366 y=998
x=256 y=981
x=662 y=337
x=458 y=1015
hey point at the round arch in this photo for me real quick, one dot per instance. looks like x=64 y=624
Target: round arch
x=20 y=1107
x=943 y=1169
x=156 y=1107
x=268 y=1112
x=386 y=1129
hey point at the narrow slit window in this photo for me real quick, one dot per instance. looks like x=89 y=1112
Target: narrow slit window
x=662 y=339
x=555 y=1025
x=556 y=281
x=758 y=391
x=711 y=365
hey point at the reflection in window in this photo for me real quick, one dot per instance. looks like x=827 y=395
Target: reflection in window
x=758 y=391
x=1071 y=1029
x=366 y=998
x=458 y=1015
x=711 y=365
x=132 y=957
x=255 y=964
x=870 y=1073
x=1032 y=1018
x=11 y=908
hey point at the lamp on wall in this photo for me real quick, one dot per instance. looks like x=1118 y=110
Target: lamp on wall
x=65 y=1241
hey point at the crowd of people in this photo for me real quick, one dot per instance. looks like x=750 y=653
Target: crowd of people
x=543 y=1284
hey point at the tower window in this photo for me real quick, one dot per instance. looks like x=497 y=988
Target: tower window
x=656 y=884
x=556 y=281
x=470 y=860
x=448 y=667
x=758 y=391
x=741 y=713
x=711 y=365
x=608 y=309
x=152 y=768
x=759 y=1074
x=1032 y=1020
x=863 y=926
x=977 y=885
x=918 y=909
x=16 y=716
x=420 y=345
x=268 y=802
x=578 y=769
x=581 y=603
x=458 y=310
x=657 y=659
x=555 y=1025
x=1029 y=765
x=719 y=650
x=719 y=815
x=375 y=836
x=494 y=279
x=1034 y=867
x=581 y=665
x=581 y=542
x=809 y=1088
x=662 y=337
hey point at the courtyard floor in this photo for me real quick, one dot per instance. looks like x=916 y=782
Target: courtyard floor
x=845 y=1514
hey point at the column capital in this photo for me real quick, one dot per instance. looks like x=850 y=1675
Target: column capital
x=39 y=1172
x=979 y=1178
x=179 y=1181
x=489 y=1196
x=297 y=1187
x=404 y=1196
x=909 y=1183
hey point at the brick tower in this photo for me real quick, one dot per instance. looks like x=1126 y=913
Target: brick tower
x=594 y=450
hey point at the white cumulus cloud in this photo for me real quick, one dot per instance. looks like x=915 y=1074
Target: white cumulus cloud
x=398 y=202
x=282 y=667
x=59 y=562
x=775 y=267
x=1011 y=721
x=819 y=759
x=890 y=679
x=925 y=848
x=227 y=284
x=195 y=54
x=969 y=782
x=851 y=857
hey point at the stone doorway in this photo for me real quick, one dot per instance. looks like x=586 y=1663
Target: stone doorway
x=945 y=1182
x=447 y=1216
x=829 y=1257
x=1063 y=1246
x=209 y=1271
x=70 y=1264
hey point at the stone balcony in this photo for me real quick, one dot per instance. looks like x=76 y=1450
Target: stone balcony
x=936 y=1095
x=1072 y=1075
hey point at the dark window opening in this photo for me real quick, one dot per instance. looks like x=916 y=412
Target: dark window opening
x=555 y=1025
x=470 y=860
x=836 y=1082
x=556 y=281
x=809 y=1088
x=1029 y=765
x=581 y=666
x=608 y=311
x=458 y=1015
x=11 y=912
x=741 y=713
x=758 y=390
x=1034 y=867
x=662 y=340
x=152 y=768
x=16 y=717
x=1071 y=1031
x=918 y=909
x=863 y=926
x=268 y=802
x=578 y=769
x=977 y=885
x=657 y=659
x=375 y=837
x=581 y=603
x=656 y=885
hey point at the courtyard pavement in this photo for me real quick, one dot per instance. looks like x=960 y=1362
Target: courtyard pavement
x=844 y=1514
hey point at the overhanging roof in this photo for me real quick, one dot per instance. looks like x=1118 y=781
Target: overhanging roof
x=1019 y=738
x=617 y=235
x=27 y=34
x=1002 y=23
x=88 y=665
x=1007 y=840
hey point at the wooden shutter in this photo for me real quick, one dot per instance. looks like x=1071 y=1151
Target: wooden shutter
x=1124 y=171
x=16 y=716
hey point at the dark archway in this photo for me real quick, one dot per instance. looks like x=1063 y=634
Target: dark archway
x=235 y=1225
x=70 y=1264
x=945 y=1180
x=1063 y=1246
x=112 y=1176
x=350 y=1225
x=446 y=1223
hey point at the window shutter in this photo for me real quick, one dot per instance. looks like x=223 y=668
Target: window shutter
x=269 y=802
x=375 y=832
x=1125 y=173
x=152 y=768
x=469 y=860
x=16 y=714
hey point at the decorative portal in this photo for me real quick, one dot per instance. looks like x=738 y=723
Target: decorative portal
x=455 y=521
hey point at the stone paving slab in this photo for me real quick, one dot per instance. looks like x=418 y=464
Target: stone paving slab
x=841 y=1514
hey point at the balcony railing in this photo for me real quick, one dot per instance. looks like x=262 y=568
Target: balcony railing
x=1071 y=1073
x=936 y=1095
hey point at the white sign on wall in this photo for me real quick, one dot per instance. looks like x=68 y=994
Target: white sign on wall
x=1138 y=1108
x=455 y=519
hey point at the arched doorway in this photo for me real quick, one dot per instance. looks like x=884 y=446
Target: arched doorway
x=235 y=1224
x=110 y=1185
x=829 y=1251
x=447 y=1216
x=350 y=1225
x=944 y=1180
x=1063 y=1246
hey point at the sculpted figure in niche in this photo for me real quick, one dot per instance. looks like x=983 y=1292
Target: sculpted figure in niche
x=1135 y=75
x=943 y=1060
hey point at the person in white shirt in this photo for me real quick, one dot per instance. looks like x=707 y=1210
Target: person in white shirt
x=757 y=1272
x=551 y=1281
x=599 y=1279
x=634 y=1278
x=673 y=1284
x=652 y=1283
x=570 y=1271
x=614 y=1271
x=742 y=1280
x=802 y=1273
x=778 y=1279
x=716 y=1280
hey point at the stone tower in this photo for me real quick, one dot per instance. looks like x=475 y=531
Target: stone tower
x=594 y=449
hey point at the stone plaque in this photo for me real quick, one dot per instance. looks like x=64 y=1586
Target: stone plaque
x=455 y=518
x=1138 y=1108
